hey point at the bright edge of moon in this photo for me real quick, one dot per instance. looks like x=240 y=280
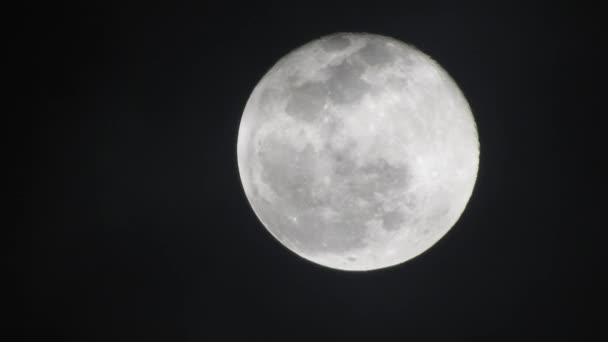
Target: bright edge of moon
x=357 y=151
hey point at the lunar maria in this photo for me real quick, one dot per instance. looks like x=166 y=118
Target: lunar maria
x=357 y=151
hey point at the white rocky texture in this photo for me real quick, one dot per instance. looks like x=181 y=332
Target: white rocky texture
x=357 y=151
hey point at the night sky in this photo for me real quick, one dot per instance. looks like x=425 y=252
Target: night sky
x=133 y=224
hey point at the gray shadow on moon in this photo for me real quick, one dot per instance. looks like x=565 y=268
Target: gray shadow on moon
x=326 y=197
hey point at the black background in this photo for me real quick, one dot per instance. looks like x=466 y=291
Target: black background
x=134 y=226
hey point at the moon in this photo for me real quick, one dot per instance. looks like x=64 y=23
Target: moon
x=357 y=151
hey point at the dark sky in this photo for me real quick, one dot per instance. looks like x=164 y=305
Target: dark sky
x=133 y=225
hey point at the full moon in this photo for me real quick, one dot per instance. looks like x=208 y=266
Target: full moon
x=357 y=151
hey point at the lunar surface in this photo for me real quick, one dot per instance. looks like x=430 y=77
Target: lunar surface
x=357 y=151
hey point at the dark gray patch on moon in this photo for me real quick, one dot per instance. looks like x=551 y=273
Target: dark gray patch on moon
x=267 y=100
x=335 y=43
x=377 y=177
x=319 y=233
x=376 y=53
x=307 y=101
x=343 y=166
x=288 y=172
x=393 y=220
x=345 y=83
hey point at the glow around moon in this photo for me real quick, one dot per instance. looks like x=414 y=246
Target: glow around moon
x=357 y=151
